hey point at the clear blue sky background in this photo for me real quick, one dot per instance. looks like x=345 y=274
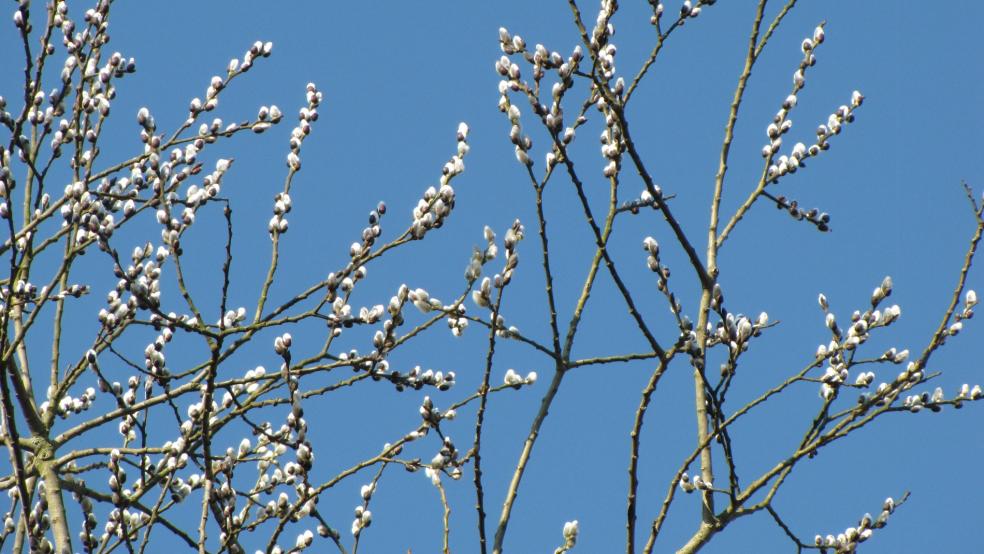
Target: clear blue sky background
x=399 y=76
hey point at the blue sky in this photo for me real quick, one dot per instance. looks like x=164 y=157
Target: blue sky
x=398 y=77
